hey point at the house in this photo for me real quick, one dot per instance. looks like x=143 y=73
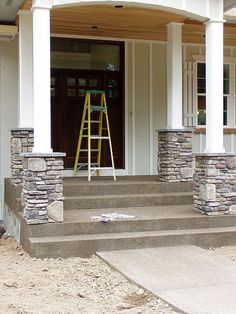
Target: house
x=169 y=71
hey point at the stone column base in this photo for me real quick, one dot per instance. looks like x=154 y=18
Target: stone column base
x=42 y=193
x=215 y=184
x=22 y=141
x=175 y=158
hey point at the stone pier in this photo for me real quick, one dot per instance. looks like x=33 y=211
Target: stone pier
x=215 y=183
x=42 y=194
x=22 y=141
x=175 y=158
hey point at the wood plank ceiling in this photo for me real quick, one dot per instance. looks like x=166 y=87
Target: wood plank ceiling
x=126 y=22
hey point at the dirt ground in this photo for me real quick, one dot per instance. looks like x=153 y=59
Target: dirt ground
x=73 y=285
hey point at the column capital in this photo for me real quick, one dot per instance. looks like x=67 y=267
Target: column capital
x=42 y=4
x=174 y=24
x=214 y=21
x=24 y=12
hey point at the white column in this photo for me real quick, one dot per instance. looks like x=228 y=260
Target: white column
x=174 y=76
x=214 y=87
x=41 y=76
x=25 y=104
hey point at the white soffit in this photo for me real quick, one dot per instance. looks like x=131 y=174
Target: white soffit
x=230 y=11
x=8 y=10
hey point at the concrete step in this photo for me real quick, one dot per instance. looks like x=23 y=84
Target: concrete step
x=128 y=200
x=86 y=245
x=146 y=219
x=140 y=178
x=103 y=187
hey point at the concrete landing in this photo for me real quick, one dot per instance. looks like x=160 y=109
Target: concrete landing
x=191 y=279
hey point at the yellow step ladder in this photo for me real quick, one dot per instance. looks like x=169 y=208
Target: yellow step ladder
x=85 y=133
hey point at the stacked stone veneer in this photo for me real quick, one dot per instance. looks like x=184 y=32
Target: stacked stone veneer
x=22 y=141
x=42 y=193
x=215 y=183
x=175 y=158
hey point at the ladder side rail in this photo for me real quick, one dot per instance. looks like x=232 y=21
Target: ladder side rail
x=100 y=135
x=109 y=138
x=89 y=136
x=80 y=136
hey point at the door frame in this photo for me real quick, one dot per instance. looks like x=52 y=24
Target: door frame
x=122 y=45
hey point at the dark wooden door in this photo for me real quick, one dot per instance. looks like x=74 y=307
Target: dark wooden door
x=68 y=88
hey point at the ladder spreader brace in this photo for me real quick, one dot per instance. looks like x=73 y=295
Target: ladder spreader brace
x=86 y=126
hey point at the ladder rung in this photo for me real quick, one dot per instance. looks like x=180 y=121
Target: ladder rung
x=95 y=91
x=101 y=168
x=92 y=121
x=98 y=108
x=97 y=137
x=86 y=164
x=85 y=150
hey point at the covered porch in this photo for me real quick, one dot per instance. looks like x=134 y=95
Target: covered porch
x=153 y=98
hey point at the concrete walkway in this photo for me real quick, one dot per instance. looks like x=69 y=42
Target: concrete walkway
x=191 y=279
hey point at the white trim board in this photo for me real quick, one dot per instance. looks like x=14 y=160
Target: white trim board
x=109 y=38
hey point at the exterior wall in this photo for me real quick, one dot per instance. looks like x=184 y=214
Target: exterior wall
x=142 y=108
x=146 y=96
x=200 y=141
x=8 y=107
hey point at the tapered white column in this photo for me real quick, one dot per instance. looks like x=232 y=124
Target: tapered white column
x=174 y=76
x=25 y=104
x=41 y=76
x=214 y=87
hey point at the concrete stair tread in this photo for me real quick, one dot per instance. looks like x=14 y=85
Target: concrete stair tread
x=110 y=196
x=106 y=182
x=109 y=179
x=118 y=183
x=141 y=213
x=129 y=235
x=78 y=222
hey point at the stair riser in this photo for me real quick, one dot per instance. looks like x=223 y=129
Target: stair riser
x=86 y=248
x=125 y=188
x=129 y=226
x=129 y=201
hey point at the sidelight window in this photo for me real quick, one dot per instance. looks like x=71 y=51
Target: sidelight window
x=201 y=93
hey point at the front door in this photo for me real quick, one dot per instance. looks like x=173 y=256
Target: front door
x=68 y=88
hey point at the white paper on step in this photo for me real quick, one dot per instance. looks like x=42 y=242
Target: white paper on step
x=112 y=216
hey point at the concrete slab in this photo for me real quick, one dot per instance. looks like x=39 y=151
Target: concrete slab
x=190 y=278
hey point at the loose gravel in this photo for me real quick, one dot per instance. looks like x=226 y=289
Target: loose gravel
x=73 y=285
x=226 y=251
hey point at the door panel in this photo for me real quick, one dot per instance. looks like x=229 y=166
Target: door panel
x=68 y=88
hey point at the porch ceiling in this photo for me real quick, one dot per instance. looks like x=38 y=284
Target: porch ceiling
x=127 y=22
x=8 y=10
